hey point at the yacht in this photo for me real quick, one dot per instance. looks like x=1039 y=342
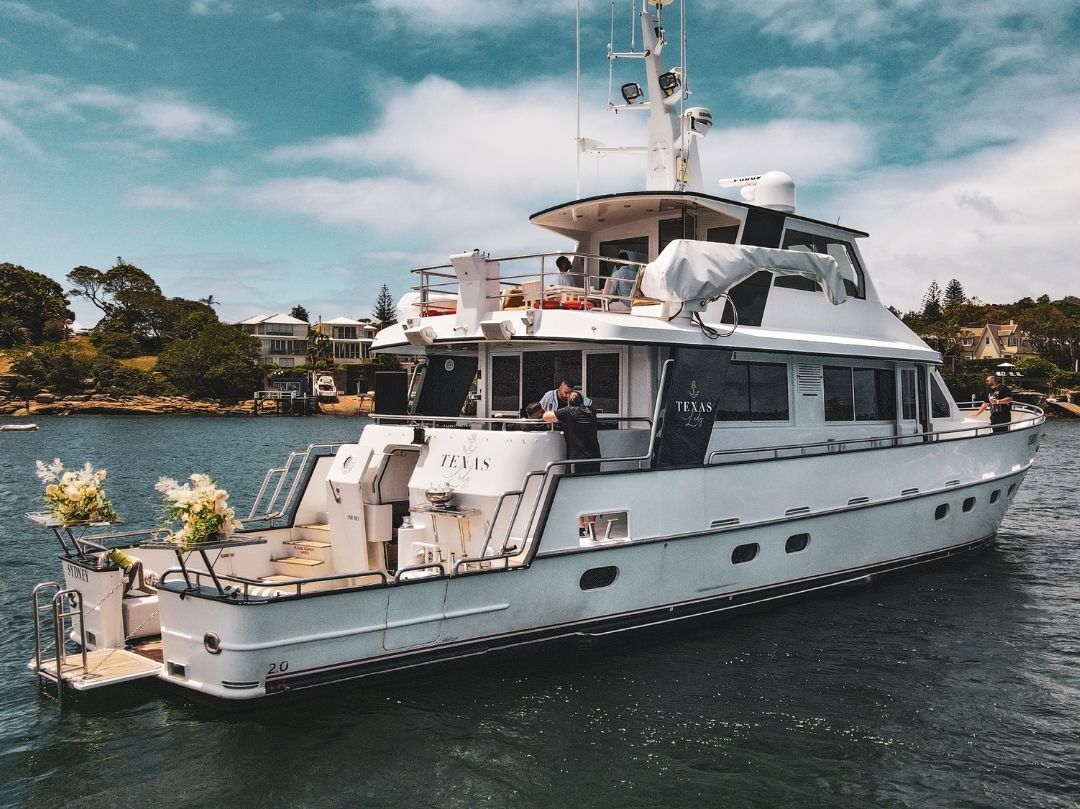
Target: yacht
x=768 y=430
x=325 y=388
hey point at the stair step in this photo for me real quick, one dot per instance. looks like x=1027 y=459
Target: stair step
x=316 y=526
x=299 y=560
x=314 y=544
x=278 y=579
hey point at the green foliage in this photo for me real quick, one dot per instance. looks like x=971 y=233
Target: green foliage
x=220 y=362
x=31 y=299
x=320 y=352
x=115 y=344
x=12 y=332
x=300 y=313
x=931 y=303
x=965 y=384
x=61 y=367
x=116 y=378
x=1039 y=367
x=954 y=296
x=384 y=313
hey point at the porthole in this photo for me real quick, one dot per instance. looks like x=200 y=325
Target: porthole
x=1012 y=489
x=744 y=553
x=941 y=512
x=598 y=577
x=969 y=504
x=796 y=543
x=994 y=495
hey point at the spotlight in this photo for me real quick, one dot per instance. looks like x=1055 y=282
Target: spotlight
x=668 y=82
x=631 y=92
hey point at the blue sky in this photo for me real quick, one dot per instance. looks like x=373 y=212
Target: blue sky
x=272 y=152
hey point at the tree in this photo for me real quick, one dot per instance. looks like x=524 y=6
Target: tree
x=12 y=332
x=32 y=299
x=300 y=313
x=61 y=367
x=1053 y=334
x=954 y=296
x=384 y=313
x=320 y=352
x=220 y=362
x=931 y=303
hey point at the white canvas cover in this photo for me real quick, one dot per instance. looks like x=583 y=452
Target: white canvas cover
x=690 y=270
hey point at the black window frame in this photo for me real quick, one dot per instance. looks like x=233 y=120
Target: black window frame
x=748 y=412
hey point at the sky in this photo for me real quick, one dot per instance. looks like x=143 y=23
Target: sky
x=273 y=153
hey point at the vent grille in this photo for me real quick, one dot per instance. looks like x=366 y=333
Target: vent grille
x=808 y=379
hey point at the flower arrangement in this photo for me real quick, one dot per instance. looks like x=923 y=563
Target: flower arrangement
x=74 y=497
x=201 y=508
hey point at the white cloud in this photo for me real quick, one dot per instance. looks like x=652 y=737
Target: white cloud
x=175 y=119
x=208 y=8
x=76 y=38
x=160 y=114
x=428 y=16
x=812 y=92
x=805 y=149
x=9 y=133
x=1002 y=221
x=156 y=196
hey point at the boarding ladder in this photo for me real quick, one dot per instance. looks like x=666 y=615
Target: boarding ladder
x=61 y=612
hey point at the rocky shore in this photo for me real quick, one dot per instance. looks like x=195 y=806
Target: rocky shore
x=100 y=404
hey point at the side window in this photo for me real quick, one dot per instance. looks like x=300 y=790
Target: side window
x=754 y=391
x=907 y=395
x=840 y=250
x=859 y=394
x=939 y=401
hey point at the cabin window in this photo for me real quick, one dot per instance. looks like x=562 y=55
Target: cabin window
x=796 y=543
x=744 y=553
x=749 y=298
x=909 y=404
x=994 y=495
x=728 y=234
x=969 y=503
x=602 y=380
x=939 y=401
x=598 y=577
x=683 y=227
x=754 y=391
x=941 y=512
x=859 y=394
x=636 y=248
x=842 y=251
x=506 y=383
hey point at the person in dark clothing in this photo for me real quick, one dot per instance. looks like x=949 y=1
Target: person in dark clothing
x=578 y=422
x=998 y=399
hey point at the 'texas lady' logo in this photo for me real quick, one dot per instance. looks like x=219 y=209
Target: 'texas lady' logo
x=692 y=409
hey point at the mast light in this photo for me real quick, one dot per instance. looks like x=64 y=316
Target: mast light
x=631 y=92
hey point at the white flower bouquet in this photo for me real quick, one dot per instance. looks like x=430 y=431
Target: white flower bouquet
x=75 y=497
x=201 y=509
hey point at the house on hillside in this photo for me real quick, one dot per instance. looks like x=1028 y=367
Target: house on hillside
x=282 y=339
x=351 y=339
x=994 y=341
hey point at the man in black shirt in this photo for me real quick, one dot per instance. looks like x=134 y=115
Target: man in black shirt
x=998 y=399
x=578 y=422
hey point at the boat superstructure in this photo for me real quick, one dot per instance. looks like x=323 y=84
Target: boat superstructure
x=768 y=429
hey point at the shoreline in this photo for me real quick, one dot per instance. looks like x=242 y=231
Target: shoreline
x=101 y=405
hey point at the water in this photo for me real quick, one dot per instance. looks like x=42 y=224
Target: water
x=956 y=686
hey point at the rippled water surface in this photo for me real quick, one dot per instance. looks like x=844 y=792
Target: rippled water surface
x=956 y=686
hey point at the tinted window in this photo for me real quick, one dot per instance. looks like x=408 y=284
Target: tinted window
x=907 y=394
x=939 y=402
x=749 y=298
x=542 y=371
x=796 y=543
x=754 y=391
x=839 y=249
x=598 y=577
x=506 y=383
x=839 y=402
x=994 y=495
x=681 y=228
x=860 y=394
x=941 y=511
x=602 y=381
x=969 y=503
x=875 y=394
x=744 y=553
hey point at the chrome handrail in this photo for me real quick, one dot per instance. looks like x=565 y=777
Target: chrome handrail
x=248 y=583
x=433 y=421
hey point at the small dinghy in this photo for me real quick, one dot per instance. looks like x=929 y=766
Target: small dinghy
x=17 y=427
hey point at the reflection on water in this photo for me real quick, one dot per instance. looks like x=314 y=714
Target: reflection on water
x=955 y=686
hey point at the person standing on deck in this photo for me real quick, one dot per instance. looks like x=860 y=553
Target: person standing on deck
x=998 y=399
x=560 y=396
